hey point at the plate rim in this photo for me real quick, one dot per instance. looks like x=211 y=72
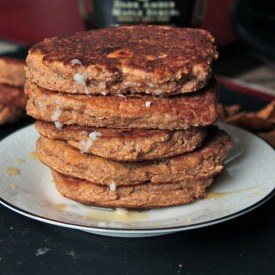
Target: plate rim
x=138 y=230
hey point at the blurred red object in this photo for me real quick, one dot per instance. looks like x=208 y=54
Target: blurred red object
x=217 y=21
x=29 y=21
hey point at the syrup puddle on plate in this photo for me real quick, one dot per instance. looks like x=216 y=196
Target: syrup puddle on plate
x=13 y=171
x=33 y=155
x=218 y=195
x=106 y=214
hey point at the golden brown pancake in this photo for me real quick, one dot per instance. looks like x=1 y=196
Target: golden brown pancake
x=205 y=162
x=12 y=103
x=140 y=196
x=131 y=112
x=158 y=60
x=126 y=145
x=12 y=71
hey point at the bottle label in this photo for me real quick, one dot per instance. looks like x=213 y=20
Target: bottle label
x=126 y=12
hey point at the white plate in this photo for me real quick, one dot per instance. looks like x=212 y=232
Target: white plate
x=26 y=187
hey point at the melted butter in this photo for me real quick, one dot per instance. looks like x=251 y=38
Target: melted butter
x=33 y=155
x=20 y=161
x=12 y=171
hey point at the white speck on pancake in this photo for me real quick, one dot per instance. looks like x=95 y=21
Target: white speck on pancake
x=149 y=84
x=159 y=91
x=112 y=186
x=80 y=79
x=58 y=125
x=55 y=117
x=41 y=105
x=102 y=85
x=75 y=62
x=121 y=95
x=148 y=104
x=86 y=144
x=94 y=135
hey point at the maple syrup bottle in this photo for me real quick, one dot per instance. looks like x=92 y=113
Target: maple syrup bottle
x=183 y=13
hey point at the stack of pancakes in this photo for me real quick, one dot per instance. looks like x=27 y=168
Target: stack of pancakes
x=12 y=98
x=124 y=115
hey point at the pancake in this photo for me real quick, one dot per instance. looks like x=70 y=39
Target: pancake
x=207 y=161
x=132 y=112
x=12 y=103
x=12 y=71
x=158 y=60
x=126 y=145
x=138 y=196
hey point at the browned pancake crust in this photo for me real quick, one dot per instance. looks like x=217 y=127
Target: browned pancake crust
x=12 y=103
x=12 y=71
x=160 y=60
x=204 y=162
x=178 y=112
x=126 y=145
x=139 y=196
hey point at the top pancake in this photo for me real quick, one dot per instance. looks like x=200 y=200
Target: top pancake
x=159 y=60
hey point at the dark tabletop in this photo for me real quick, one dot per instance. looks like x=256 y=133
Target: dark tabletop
x=244 y=245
